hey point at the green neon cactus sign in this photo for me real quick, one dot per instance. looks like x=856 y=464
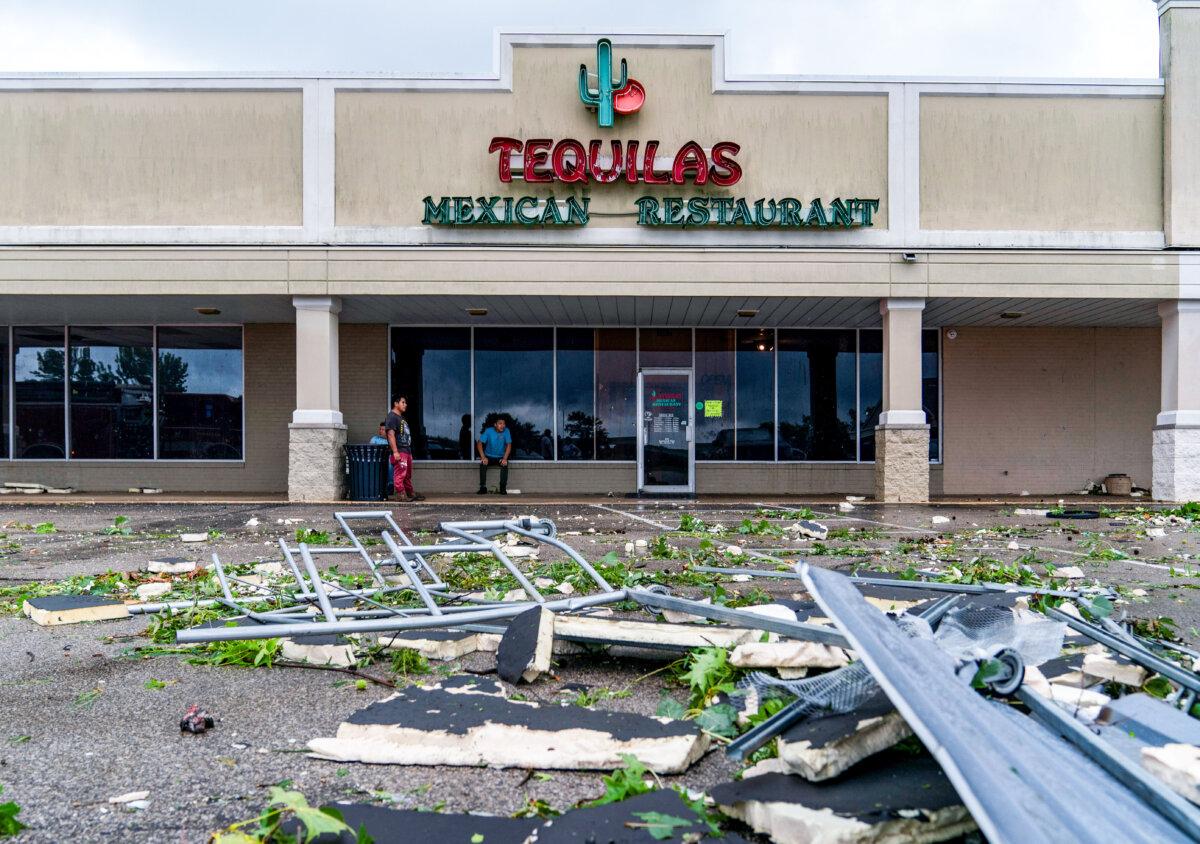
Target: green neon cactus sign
x=624 y=97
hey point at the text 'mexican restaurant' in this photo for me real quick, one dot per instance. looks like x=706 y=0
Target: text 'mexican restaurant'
x=669 y=277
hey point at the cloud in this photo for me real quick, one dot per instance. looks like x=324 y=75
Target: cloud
x=1030 y=38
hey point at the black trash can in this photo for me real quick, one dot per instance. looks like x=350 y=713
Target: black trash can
x=366 y=466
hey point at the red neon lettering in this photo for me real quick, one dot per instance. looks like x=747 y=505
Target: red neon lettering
x=732 y=171
x=690 y=157
x=569 y=170
x=506 y=147
x=537 y=152
x=648 y=174
x=610 y=175
x=631 y=162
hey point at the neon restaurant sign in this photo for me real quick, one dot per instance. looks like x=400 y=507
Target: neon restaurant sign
x=572 y=162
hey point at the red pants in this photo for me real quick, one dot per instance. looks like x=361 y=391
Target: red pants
x=402 y=473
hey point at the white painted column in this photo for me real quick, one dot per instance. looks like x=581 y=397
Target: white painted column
x=317 y=434
x=902 y=436
x=1177 y=430
x=1179 y=64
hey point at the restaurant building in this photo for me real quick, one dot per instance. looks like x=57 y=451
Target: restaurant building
x=671 y=278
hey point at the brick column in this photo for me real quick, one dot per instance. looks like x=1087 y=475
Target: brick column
x=316 y=435
x=1176 y=447
x=902 y=436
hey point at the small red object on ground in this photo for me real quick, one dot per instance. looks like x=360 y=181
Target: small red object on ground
x=195 y=720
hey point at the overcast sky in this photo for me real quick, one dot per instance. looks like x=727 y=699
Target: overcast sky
x=1030 y=38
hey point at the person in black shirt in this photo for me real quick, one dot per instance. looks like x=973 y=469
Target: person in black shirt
x=399 y=437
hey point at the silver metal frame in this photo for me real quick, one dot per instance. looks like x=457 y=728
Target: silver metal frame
x=690 y=433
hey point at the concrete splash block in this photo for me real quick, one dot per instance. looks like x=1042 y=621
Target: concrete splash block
x=466 y=722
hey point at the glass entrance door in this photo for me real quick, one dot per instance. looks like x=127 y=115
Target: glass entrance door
x=666 y=449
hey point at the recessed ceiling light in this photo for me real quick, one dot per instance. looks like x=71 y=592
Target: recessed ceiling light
x=477 y=311
x=1012 y=315
x=748 y=312
x=208 y=311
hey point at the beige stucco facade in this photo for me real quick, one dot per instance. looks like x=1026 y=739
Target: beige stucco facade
x=1041 y=163
x=151 y=158
x=1042 y=224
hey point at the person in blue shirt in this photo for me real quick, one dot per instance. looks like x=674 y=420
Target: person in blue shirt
x=494 y=445
x=381 y=437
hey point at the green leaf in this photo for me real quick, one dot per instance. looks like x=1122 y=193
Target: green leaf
x=707 y=665
x=720 y=720
x=9 y=825
x=1101 y=607
x=45 y=527
x=625 y=782
x=477 y=838
x=661 y=826
x=1158 y=686
x=668 y=707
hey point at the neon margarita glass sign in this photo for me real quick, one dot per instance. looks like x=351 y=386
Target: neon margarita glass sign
x=572 y=162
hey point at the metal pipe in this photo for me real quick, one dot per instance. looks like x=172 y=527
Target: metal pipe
x=494 y=548
x=932 y=585
x=1141 y=657
x=316 y=628
x=317 y=587
x=170 y=606
x=1165 y=801
x=570 y=552
x=413 y=578
x=793 y=629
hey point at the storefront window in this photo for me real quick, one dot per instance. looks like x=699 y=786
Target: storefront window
x=816 y=395
x=755 y=394
x=514 y=378
x=616 y=398
x=4 y=391
x=929 y=388
x=714 y=394
x=112 y=393
x=870 y=388
x=39 y=402
x=576 y=367
x=665 y=347
x=200 y=393
x=431 y=367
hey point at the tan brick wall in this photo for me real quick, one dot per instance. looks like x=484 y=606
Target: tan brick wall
x=1047 y=409
x=363 y=355
x=270 y=396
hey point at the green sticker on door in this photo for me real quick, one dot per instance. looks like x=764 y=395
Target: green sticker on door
x=713 y=408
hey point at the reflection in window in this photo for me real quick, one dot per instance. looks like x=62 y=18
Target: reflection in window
x=39 y=403
x=4 y=391
x=616 y=396
x=870 y=388
x=816 y=395
x=929 y=388
x=514 y=378
x=755 y=394
x=576 y=365
x=112 y=393
x=431 y=367
x=665 y=347
x=200 y=393
x=714 y=393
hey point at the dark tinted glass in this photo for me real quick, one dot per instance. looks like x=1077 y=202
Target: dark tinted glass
x=431 y=367
x=514 y=378
x=755 y=394
x=816 y=395
x=616 y=393
x=3 y=391
x=870 y=390
x=200 y=393
x=576 y=362
x=714 y=393
x=112 y=393
x=39 y=402
x=929 y=387
x=665 y=347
